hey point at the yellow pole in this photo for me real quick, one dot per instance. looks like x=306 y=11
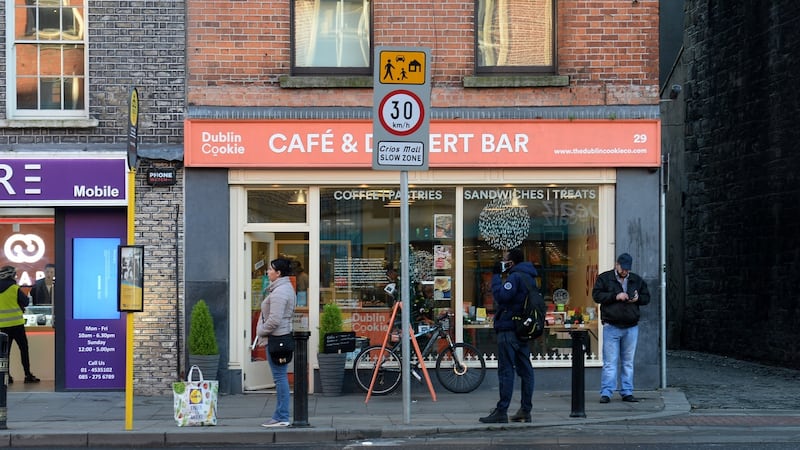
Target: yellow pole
x=129 y=314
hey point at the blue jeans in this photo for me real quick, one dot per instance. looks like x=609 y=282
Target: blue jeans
x=513 y=355
x=279 y=375
x=619 y=348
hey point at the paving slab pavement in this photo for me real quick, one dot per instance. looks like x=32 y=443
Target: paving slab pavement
x=708 y=394
x=89 y=419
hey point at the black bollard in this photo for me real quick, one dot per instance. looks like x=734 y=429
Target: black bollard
x=578 y=381
x=4 y=374
x=301 y=379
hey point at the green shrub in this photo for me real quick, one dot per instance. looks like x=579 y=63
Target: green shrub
x=330 y=321
x=202 y=339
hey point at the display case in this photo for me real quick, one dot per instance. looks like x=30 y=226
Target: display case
x=548 y=252
x=564 y=289
x=432 y=276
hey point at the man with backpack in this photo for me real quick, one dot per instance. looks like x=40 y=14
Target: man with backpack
x=511 y=277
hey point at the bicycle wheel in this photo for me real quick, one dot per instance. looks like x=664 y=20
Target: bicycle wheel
x=388 y=378
x=460 y=368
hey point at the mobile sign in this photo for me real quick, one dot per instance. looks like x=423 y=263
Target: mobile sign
x=401 y=122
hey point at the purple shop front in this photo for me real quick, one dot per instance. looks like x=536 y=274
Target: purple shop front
x=88 y=193
x=94 y=331
x=52 y=180
x=95 y=334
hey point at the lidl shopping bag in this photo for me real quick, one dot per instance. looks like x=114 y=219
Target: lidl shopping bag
x=195 y=401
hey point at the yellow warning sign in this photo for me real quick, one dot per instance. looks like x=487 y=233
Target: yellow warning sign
x=402 y=67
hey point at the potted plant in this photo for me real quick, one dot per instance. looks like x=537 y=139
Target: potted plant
x=203 y=349
x=331 y=365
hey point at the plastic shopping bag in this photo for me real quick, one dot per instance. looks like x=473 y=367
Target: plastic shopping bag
x=195 y=401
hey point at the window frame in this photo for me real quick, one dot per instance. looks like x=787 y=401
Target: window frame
x=329 y=70
x=13 y=112
x=517 y=70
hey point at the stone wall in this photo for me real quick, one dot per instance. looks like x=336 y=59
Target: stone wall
x=741 y=213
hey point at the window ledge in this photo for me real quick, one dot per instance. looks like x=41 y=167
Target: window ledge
x=326 y=81
x=506 y=81
x=49 y=123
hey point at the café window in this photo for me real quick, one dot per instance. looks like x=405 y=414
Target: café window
x=360 y=267
x=49 y=66
x=556 y=228
x=332 y=37
x=277 y=206
x=515 y=36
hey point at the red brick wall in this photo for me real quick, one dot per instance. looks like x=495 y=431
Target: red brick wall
x=609 y=49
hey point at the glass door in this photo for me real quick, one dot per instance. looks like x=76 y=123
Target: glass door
x=263 y=248
x=257 y=374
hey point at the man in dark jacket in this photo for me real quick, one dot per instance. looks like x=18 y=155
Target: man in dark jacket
x=42 y=292
x=509 y=291
x=619 y=292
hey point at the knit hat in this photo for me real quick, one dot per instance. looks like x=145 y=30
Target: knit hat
x=7 y=272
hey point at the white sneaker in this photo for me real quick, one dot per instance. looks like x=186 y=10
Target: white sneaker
x=272 y=423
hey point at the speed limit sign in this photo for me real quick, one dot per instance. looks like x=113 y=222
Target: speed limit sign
x=401 y=113
x=400 y=121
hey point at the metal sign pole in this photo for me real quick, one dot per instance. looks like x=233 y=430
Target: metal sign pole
x=405 y=287
x=401 y=136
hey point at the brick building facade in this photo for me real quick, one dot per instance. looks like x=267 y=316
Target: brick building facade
x=239 y=56
x=129 y=45
x=232 y=62
x=246 y=80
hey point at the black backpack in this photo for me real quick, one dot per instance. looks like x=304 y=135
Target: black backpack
x=529 y=324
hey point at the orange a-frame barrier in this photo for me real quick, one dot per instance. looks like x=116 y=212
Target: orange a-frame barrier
x=396 y=307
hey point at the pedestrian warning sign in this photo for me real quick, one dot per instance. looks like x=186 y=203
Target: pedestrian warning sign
x=402 y=67
x=401 y=96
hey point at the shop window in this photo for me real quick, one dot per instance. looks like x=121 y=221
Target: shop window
x=28 y=244
x=277 y=206
x=47 y=59
x=332 y=37
x=360 y=253
x=556 y=227
x=515 y=36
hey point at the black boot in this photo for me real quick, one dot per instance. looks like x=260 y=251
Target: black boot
x=521 y=416
x=495 y=417
x=29 y=378
x=10 y=380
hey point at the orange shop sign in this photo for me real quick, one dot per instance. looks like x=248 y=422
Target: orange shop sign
x=452 y=143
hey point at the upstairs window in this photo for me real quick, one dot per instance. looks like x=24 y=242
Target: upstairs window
x=47 y=64
x=332 y=37
x=515 y=36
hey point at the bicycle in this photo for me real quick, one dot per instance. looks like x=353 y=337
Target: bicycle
x=460 y=367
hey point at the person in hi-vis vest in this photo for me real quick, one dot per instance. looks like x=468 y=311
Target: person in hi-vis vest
x=12 y=303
